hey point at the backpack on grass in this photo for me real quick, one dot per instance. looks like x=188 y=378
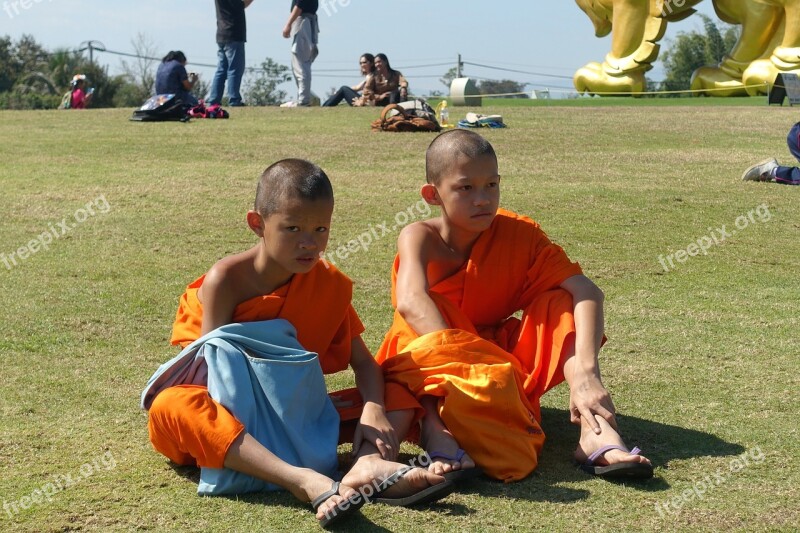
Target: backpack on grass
x=396 y=118
x=161 y=107
x=201 y=110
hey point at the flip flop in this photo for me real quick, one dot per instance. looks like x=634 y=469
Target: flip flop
x=342 y=509
x=623 y=470
x=462 y=474
x=425 y=496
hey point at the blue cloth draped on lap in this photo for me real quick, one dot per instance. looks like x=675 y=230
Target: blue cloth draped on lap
x=271 y=384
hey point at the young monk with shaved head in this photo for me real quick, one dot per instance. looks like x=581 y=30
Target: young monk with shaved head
x=281 y=277
x=478 y=371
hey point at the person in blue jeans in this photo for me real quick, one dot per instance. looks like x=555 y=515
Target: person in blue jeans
x=172 y=78
x=231 y=37
x=770 y=170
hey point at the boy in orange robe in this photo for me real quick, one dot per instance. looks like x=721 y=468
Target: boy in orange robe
x=477 y=370
x=282 y=277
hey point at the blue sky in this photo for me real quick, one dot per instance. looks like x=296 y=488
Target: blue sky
x=553 y=38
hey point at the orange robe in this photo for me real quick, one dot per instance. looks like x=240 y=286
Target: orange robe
x=190 y=428
x=491 y=368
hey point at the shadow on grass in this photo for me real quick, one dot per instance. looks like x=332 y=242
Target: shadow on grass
x=661 y=443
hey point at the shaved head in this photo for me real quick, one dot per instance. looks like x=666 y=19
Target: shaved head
x=445 y=149
x=289 y=179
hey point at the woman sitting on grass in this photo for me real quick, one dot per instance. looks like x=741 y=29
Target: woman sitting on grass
x=171 y=78
x=80 y=97
x=385 y=86
x=367 y=64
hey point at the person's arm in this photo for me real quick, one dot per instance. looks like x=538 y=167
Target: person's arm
x=368 y=92
x=403 y=85
x=190 y=81
x=373 y=426
x=217 y=299
x=287 y=30
x=413 y=301
x=360 y=86
x=588 y=396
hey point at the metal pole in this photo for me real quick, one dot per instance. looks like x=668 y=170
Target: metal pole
x=458 y=67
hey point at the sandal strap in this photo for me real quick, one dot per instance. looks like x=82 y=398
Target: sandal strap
x=322 y=498
x=597 y=454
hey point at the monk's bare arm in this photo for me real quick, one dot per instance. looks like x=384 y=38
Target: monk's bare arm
x=587 y=300
x=368 y=373
x=413 y=301
x=588 y=396
x=217 y=298
x=373 y=426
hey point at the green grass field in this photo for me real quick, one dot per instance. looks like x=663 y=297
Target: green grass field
x=700 y=361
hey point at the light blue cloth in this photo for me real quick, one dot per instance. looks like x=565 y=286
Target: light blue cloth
x=270 y=383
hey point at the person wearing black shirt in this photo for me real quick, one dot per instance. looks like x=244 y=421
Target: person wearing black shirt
x=231 y=36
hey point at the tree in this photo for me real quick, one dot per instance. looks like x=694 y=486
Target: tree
x=262 y=88
x=449 y=76
x=141 y=72
x=690 y=51
x=63 y=65
x=30 y=56
x=7 y=71
x=503 y=87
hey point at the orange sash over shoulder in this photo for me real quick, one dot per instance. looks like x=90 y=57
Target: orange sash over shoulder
x=316 y=303
x=491 y=369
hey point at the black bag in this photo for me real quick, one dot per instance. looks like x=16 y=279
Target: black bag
x=162 y=107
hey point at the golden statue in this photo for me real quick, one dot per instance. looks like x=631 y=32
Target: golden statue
x=769 y=44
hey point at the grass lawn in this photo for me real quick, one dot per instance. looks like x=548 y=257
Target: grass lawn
x=700 y=361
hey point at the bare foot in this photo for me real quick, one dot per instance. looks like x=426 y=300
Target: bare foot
x=440 y=441
x=591 y=442
x=371 y=470
x=315 y=484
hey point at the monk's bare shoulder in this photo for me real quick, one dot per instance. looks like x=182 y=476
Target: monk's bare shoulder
x=421 y=240
x=230 y=279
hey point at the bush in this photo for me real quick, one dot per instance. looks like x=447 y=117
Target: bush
x=15 y=100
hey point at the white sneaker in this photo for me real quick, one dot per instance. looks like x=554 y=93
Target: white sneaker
x=762 y=171
x=290 y=103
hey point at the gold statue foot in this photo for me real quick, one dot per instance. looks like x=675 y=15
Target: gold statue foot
x=594 y=79
x=716 y=82
x=760 y=75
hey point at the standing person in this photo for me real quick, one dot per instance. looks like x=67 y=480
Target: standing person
x=231 y=36
x=172 y=78
x=385 y=86
x=770 y=170
x=303 y=28
x=367 y=64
